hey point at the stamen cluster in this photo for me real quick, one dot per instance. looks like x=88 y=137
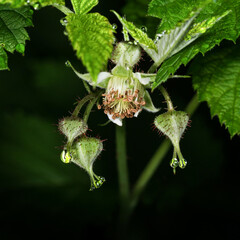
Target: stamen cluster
x=122 y=105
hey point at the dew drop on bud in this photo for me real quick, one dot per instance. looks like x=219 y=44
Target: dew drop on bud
x=174 y=163
x=67 y=64
x=182 y=163
x=37 y=6
x=144 y=29
x=114 y=26
x=27 y=2
x=64 y=21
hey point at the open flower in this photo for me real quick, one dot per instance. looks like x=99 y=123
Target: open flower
x=126 y=91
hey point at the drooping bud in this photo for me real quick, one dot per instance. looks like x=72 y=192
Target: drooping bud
x=126 y=53
x=72 y=127
x=84 y=152
x=173 y=124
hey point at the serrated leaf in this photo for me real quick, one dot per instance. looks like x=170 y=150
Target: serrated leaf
x=174 y=12
x=35 y=3
x=138 y=35
x=216 y=78
x=92 y=37
x=168 y=42
x=12 y=30
x=83 y=6
x=227 y=27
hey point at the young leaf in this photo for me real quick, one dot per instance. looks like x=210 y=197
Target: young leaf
x=168 y=42
x=83 y=6
x=12 y=32
x=216 y=78
x=37 y=4
x=140 y=36
x=226 y=27
x=92 y=37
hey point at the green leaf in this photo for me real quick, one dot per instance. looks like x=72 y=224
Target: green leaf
x=140 y=36
x=216 y=78
x=226 y=26
x=92 y=37
x=83 y=6
x=3 y=59
x=37 y=4
x=174 y=12
x=12 y=31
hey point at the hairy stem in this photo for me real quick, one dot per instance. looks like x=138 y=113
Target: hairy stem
x=90 y=105
x=167 y=98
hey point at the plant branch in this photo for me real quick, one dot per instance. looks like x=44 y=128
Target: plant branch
x=122 y=169
x=167 y=98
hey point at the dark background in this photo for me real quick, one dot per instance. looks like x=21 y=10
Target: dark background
x=42 y=197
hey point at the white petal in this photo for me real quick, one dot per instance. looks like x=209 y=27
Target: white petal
x=142 y=80
x=117 y=121
x=102 y=76
x=136 y=114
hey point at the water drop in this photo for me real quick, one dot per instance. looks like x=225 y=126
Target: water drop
x=135 y=42
x=144 y=29
x=114 y=26
x=65 y=33
x=27 y=2
x=182 y=163
x=37 y=6
x=67 y=64
x=174 y=163
x=64 y=21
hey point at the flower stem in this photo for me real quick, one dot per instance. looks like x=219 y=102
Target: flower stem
x=122 y=171
x=167 y=98
x=155 y=161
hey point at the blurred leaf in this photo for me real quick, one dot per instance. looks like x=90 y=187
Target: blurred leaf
x=29 y=154
x=91 y=36
x=217 y=80
x=37 y=4
x=12 y=33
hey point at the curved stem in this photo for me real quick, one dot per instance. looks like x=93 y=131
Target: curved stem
x=81 y=103
x=90 y=106
x=167 y=98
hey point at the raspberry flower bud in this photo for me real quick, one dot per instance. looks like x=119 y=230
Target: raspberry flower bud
x=72 y=127
x=126 y=54
x=173 y=124
x=83 y=153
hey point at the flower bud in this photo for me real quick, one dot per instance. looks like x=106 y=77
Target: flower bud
x=173 y=124
x=84 y=152
x=72 y=127
x=126 y=53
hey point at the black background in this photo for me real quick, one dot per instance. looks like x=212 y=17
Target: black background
x=42 y=197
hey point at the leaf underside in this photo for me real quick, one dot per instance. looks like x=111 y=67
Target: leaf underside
x=12 y=31
x=92 y=37
x=216 y=78
x=226 y=28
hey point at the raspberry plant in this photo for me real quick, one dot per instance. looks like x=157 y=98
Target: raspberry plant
x=185 y=28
